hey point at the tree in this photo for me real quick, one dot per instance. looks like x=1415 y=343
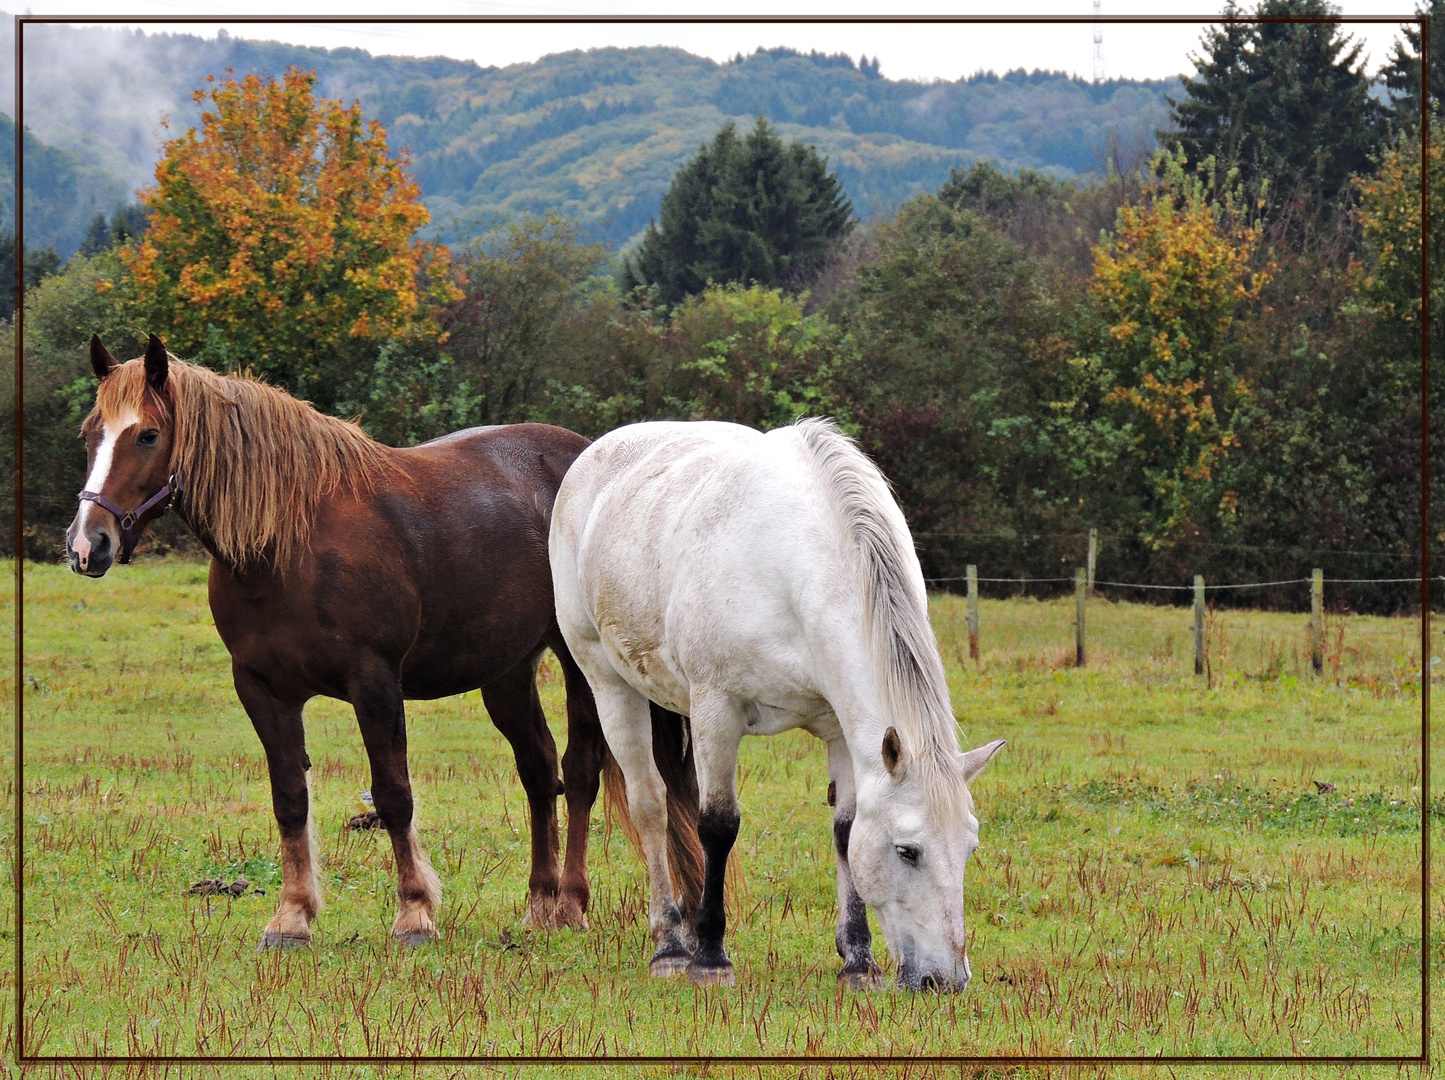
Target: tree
x=126 y=223
x=1402 y=73
x=520 y=282
x=283 y=238
x=1284 y=102
x=1390 y=286
x=91 y=296
x=40 y=263
x=744 y=210
x=946 y=315
x=1167 y=287
x=751 y=356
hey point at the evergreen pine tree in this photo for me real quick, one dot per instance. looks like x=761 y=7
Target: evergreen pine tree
x=743 y=210
x=1285 y=102
x=1402 y=73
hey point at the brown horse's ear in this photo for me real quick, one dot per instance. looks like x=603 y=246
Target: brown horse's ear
x=893 y=754
x=101 y=362
x=157 y=362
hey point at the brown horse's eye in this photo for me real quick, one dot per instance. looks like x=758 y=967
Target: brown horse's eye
x=148 y=437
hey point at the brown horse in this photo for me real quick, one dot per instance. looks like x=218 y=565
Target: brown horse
x=345 y=568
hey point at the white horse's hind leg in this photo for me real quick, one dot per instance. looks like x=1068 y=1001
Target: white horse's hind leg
x=853 y=938
x=717 y=728
x=627 y=724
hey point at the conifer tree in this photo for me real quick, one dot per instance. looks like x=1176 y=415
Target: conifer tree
x=745 y=210
x=1284 y=102
x=1402 y=73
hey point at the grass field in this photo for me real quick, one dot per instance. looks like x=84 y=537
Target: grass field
x=1158 y=873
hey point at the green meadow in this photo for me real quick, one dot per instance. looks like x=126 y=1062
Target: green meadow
x=1160 y=873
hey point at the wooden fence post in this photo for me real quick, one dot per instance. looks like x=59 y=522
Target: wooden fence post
x=1081 y=595
x=1093 y=552
x=1199 y=624
x=1317 y=621
x=973 y=612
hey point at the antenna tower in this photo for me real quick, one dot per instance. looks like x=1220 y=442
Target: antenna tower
x=1098 y=46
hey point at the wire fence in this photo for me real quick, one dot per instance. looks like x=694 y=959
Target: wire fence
x=1208 y=630
x=1189 y=588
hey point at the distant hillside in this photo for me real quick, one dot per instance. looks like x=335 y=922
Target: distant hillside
x=593 y=134
x=62 y=192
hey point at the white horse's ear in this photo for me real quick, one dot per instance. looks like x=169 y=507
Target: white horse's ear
x=975 y=760
x=893 y=754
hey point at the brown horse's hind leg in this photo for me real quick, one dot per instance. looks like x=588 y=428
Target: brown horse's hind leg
x=283 y=737
x=516 y=710
x=381 y=715
x=581 y=772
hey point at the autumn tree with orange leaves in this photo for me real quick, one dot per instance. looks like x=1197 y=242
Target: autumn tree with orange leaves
x=283 y=239
x=1167 y=286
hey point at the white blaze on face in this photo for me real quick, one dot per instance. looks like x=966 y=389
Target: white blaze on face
x=104 y=457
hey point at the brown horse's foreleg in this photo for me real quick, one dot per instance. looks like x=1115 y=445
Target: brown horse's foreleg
x=581 y=772
x=382 y=718
x=516 y=710
x=279 y=726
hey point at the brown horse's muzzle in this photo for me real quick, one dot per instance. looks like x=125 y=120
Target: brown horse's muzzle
x=91 y=549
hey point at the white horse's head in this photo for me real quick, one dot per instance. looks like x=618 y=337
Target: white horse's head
x=912 y=835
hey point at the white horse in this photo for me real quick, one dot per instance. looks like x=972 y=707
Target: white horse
x=759 y=583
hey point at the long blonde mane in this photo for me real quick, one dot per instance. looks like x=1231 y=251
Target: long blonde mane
x=910 y=674
x=253 y=462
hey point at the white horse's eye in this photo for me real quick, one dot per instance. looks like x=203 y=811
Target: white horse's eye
x=908 y=853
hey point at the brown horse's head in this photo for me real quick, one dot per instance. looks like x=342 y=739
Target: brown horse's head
x=128 y=438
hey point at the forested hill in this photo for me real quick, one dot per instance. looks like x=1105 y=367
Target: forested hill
x=62 y=191
x=595 y=135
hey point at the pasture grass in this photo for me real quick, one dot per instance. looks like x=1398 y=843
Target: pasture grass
x=1158 y=873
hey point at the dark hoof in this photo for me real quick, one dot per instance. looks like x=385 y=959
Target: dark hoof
x=568 y=915
x=541 y=911
x=700 y=975
x=273 y=939
x=415 y=939
x=869 y=978
x=666 y=964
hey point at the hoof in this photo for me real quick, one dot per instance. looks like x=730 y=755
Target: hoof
x=711 y=976
x=568 y=915
x=541 y=913
x=663 y=967
x=274 y=939
x=414 y=939
x=871 y=979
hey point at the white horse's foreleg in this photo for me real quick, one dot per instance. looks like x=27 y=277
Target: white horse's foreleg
x=853 y=938
x=717 y=728
x=627 y=725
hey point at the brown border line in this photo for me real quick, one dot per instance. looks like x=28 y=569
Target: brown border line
x=1423 y=1058
x=18 y=836
x=1425 y=316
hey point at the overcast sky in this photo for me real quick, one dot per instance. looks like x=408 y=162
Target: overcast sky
x=906 y=52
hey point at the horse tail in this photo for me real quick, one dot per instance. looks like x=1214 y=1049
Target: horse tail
x=672 y=753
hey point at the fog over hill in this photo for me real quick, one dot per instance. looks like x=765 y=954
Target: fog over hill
x=595 y=134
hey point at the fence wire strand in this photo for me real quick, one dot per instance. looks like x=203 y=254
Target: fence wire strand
x=1187 y=588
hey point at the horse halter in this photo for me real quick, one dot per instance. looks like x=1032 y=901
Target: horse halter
x=128 y=518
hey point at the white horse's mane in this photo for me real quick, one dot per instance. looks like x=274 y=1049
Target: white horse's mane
x=908 y=668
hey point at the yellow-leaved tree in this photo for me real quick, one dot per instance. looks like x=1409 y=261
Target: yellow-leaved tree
x=1167 y=285
x=283 y=237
